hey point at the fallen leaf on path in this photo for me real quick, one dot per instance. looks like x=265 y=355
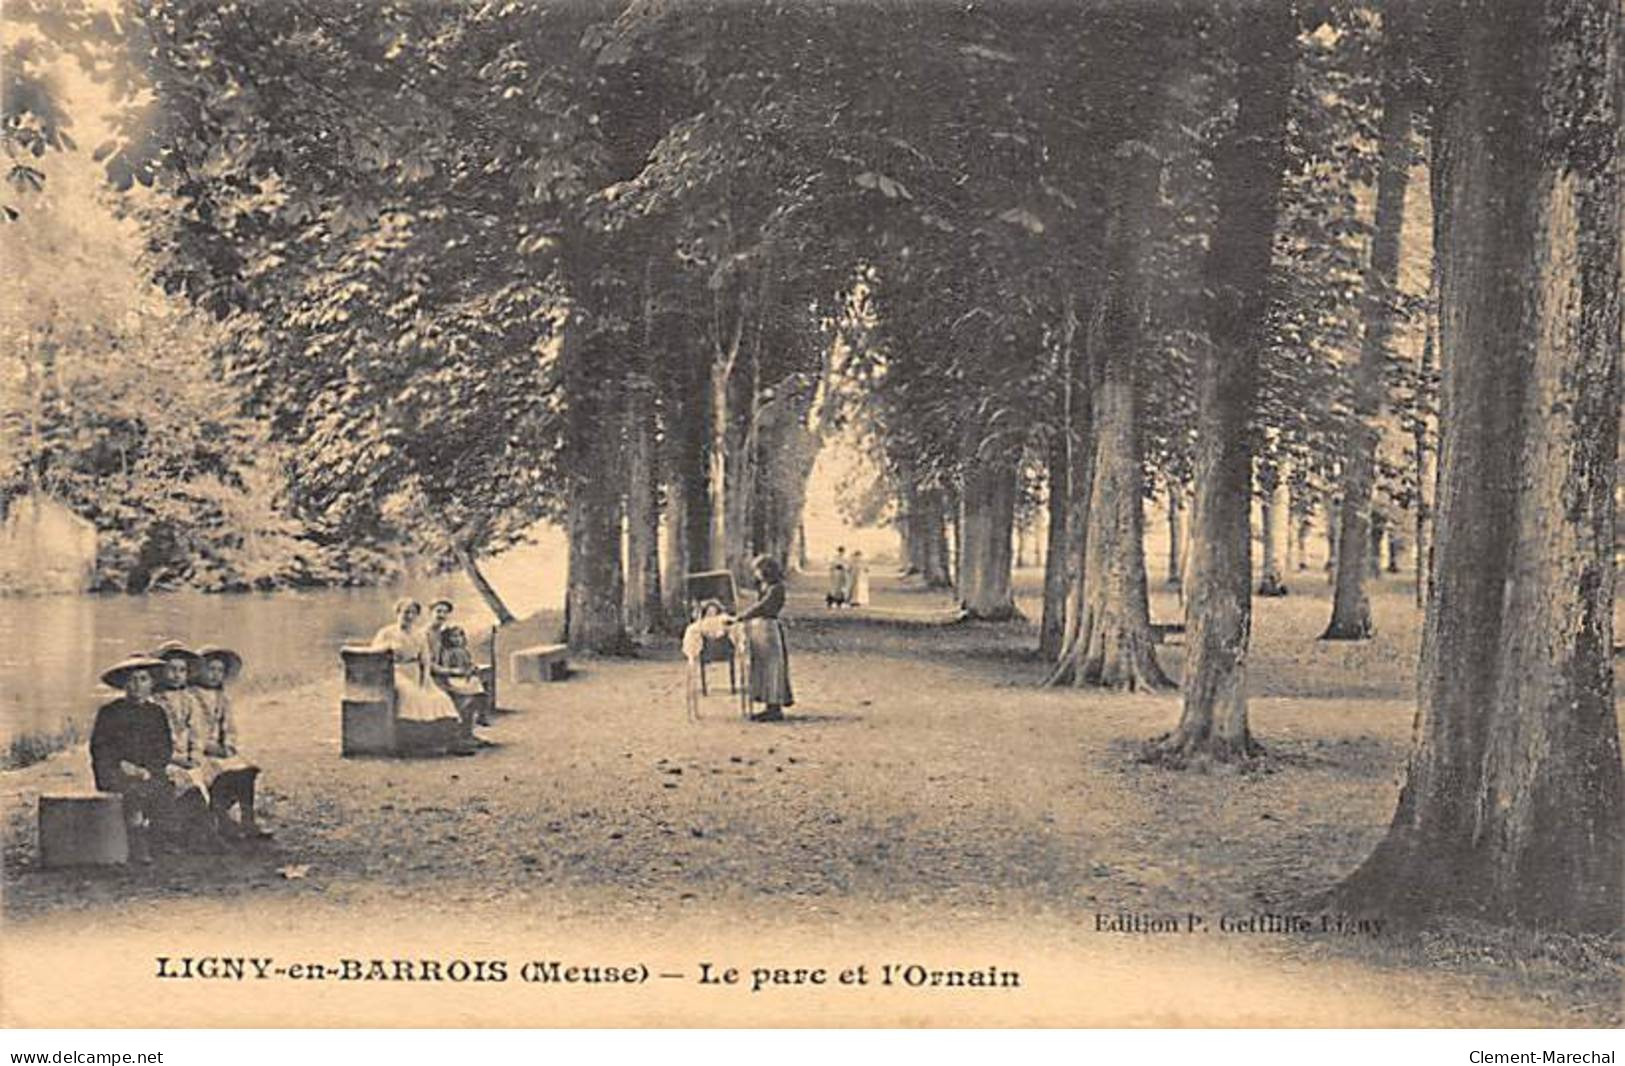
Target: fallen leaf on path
x=294 y=872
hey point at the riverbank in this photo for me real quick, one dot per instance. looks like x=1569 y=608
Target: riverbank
x=924 y=797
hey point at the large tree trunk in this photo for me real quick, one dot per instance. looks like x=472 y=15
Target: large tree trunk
x=786 y=452
x=984 y=556
x=908 y=519
x=1218 y=600
x=1115 y=646
x=1513 y=808
x=1351 y=607
x=936 y=560
x=593 y=609
x=688 y=522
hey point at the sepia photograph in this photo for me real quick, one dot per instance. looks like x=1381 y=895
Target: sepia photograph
x=812 y=514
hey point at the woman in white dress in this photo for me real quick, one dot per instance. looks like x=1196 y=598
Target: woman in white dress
x=417 y=698
x=860 y=580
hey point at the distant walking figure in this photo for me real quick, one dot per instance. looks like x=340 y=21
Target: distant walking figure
x=860 y=581
x=769 y=679
x=839 y=580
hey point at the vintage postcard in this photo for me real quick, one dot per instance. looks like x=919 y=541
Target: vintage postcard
x=729 y=513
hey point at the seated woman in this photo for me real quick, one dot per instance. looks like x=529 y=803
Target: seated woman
x=130 y=751
x=455 y=671
x=230 y=777
x=418 y=701
x=769 y=679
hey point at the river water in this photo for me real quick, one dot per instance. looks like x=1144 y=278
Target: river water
x=52 y=648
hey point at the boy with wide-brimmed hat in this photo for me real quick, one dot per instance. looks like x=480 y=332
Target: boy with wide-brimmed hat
x=130 y=749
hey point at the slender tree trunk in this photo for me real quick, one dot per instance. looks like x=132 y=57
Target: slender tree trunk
x=1176 y=535
x=742 y=481
x=1377 y=542
x=1289 y=536
x=1351 y=607
x=642 y=511
x=1277 y=517
x=1426 y=467
x=985 y=550
x=938 y=560
x=471 y=567
x=1052 y=624
x=1334 y=522
x=1059 y=560
x=688 y=522
x=1513 y=809
x=717 y=463
x=1303 y=542
x=1218 y=604
x=677 y=552
x=1087 y=383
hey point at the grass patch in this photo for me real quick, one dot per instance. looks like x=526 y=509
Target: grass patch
x=26 y=749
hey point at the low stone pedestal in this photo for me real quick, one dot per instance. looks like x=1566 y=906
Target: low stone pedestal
x=368 y=723
x=83 y=829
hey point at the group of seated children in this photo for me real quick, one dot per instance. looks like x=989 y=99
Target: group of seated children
x=168 y=745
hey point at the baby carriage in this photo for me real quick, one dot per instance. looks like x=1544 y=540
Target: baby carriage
x=712 y=637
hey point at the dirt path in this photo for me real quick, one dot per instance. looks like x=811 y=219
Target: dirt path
x=923 y=789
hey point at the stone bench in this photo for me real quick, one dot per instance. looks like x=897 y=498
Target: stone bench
x=540 y=662
x=82 y=829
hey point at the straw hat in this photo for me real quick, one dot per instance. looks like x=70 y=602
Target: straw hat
x=174 y=649
x=449 y=605
x=115 y=676
x=233 y=662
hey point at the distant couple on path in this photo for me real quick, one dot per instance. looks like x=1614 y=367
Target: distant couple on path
x=848 y=580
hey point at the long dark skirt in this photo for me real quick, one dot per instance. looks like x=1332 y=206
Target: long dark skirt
x=769 y=662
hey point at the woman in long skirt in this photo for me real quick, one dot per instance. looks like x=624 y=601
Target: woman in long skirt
x=769 y=679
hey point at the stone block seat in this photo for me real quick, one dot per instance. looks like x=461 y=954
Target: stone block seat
x=82 y=829
x=368 y=724
x=541 y=662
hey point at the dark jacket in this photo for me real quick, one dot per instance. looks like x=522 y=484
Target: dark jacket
x=133 y=731
x=769 y=602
